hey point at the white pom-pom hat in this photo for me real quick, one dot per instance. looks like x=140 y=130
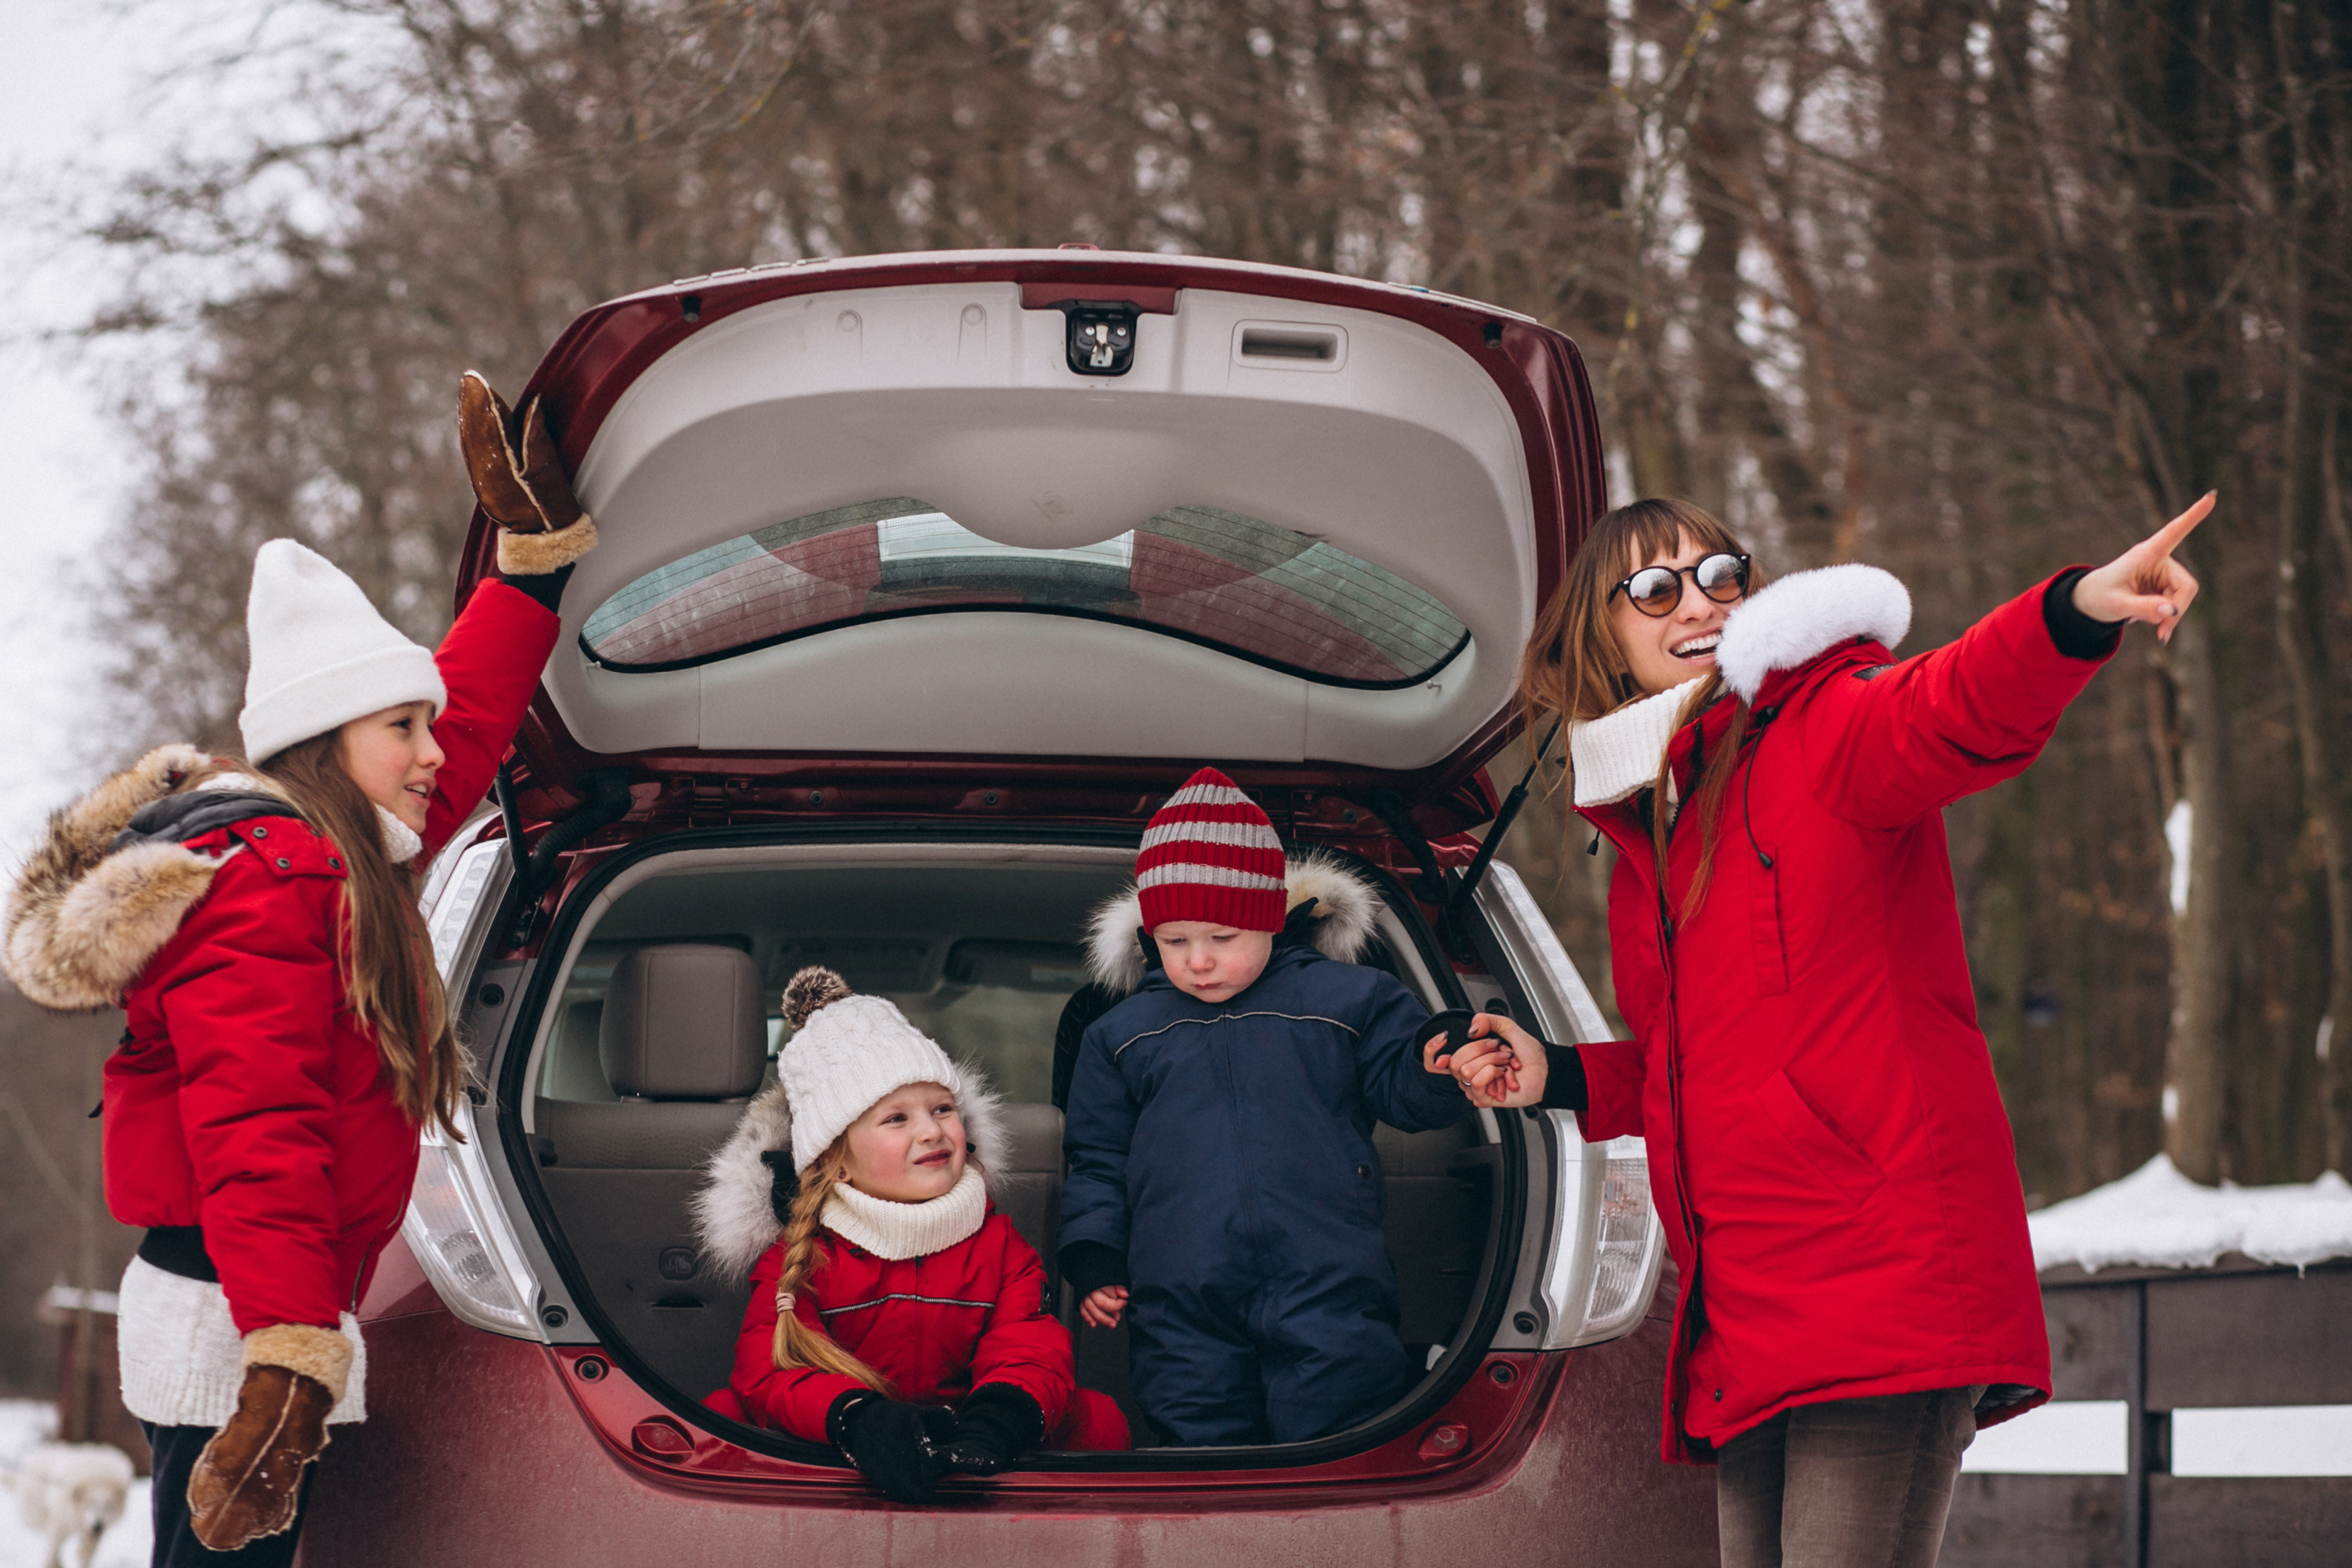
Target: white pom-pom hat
x=321 y=656
x=847 y=1052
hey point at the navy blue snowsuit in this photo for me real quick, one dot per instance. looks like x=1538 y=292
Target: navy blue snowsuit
x=1226 y=1150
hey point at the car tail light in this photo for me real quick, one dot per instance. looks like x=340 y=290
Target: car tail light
x=456 y=1238
x=1606 y=1244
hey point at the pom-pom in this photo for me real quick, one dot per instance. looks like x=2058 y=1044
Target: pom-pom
x=811 y=988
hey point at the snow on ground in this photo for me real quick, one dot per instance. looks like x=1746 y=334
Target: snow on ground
x=2158 y=1219
x=24 y=1423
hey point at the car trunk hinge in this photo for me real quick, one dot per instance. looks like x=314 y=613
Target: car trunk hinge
x=1468 y=885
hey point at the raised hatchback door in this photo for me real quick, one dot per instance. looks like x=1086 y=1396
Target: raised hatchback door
x=884 y=507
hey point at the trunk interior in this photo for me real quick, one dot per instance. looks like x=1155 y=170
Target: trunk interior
x=638 y=1069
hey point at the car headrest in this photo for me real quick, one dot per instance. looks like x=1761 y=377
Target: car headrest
x=684 y=1021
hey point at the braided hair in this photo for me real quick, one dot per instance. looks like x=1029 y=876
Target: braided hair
x=797 y=1344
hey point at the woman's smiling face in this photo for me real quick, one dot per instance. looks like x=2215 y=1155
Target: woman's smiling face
x=908 y=1147
x=1665 y=651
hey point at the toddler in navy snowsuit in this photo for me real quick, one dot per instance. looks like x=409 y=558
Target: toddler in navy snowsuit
x=1224 y=1192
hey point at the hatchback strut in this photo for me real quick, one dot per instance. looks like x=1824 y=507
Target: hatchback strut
x=1494 y=839
x=608 y=800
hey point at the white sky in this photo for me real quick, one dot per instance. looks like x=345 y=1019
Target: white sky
x=67 y=80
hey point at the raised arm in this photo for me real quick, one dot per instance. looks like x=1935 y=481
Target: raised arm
x=1885 y=749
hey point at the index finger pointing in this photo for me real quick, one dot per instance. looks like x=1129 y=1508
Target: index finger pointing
x=2173 y=533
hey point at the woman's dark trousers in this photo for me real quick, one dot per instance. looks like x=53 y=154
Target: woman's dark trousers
x=1850 y=1483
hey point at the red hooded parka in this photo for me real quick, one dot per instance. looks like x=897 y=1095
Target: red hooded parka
x=1827 y=1149
x=245 y=1098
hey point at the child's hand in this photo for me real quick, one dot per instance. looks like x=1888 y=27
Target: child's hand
x=1437 y=1059
x=1502 y=1066
x=1101 y=1309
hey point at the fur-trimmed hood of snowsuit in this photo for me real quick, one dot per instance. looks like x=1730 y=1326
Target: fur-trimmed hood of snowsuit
x=736 y=1212
x=85 y=917
x=1347 y=907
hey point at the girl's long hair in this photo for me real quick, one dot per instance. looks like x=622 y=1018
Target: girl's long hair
x=797 y=1344
x=1575 y=668
x=389 y=982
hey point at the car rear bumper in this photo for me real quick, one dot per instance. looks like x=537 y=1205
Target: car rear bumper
x=476 y=1451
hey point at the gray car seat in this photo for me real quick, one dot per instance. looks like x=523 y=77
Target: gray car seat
x=683 y=1045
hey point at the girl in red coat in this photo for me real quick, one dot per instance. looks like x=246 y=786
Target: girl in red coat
x=1827 y=1149
x=286 y=1031
x=897 y=1315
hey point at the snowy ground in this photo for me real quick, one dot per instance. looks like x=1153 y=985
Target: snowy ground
x=23 y=1424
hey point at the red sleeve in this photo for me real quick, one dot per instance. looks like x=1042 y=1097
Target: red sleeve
x=250 y=1005
x=490 y=662
x=1023 y=1343
x=796 y=1400
x=1613 y=1071
x=1884 y=751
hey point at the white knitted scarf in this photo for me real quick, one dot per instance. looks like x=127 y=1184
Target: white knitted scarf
x=895 y=1230
x=1618 y=754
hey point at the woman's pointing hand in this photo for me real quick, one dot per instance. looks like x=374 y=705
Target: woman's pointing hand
x=2144 y=582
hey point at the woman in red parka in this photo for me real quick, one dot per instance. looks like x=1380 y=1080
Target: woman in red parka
x=894 y=1312
x=1827 y=1149
x=286 y=1033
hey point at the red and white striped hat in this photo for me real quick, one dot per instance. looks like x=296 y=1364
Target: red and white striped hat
x=1210 y=854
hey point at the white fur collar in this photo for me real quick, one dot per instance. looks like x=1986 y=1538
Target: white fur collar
x=734 y=1213
x=1348 y=907
x=1614 y=755
x=1787 y=622
x=896 y=1230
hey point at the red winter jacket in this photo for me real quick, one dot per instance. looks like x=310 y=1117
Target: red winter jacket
x=244 y=1098
x=1828 y=1149
x=937 y=1327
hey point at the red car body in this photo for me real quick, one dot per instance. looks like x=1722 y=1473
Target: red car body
x=513 y=1423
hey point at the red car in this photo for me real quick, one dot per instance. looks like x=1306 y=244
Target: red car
x=924 y=579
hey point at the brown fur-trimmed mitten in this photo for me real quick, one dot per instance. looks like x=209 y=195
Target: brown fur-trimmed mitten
x=248 y=1480
x=519 y=478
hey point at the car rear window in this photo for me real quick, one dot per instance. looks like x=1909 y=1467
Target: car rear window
x=1216 y=577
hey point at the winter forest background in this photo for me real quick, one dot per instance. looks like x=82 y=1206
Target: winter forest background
x=1968 y=289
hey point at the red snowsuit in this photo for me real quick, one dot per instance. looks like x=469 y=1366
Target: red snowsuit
x=245 y=1098
x=1827 y=1149
x=937 y=1327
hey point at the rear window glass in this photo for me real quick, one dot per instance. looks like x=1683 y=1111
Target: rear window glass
x=1247 y=587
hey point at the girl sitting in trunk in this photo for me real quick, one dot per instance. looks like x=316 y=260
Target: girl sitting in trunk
x=894 y=1312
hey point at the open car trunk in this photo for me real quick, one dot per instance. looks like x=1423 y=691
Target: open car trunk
x=567 y=1217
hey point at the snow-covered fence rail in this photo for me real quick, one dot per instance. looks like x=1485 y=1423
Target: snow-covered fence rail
x=2203 y=1409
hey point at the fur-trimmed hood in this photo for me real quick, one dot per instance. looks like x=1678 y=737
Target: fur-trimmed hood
x=735 y=1212
x=85 y=916
x=1789 y=621
x=1348 y=902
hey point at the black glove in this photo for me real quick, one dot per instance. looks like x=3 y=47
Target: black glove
x=995 y=1425
x=895 y=1445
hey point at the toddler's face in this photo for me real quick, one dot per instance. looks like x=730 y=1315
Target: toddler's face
x=908 y=1147
x=1210 y=961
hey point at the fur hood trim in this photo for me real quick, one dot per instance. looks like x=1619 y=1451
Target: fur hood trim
x=85 y=919
x=735 y=1213
x=1349 y=903
x=1787 y=622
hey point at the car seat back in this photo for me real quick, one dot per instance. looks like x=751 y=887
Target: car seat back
x=681 y=1044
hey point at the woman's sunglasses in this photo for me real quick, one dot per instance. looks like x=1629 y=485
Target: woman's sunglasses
x=1656 y=590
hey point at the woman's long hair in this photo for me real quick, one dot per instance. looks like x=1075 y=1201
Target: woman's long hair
x=1575 y=668
x=797 y=1344
x=390 y=981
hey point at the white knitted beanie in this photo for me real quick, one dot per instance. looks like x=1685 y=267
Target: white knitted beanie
x=321 y=656
x=847 y=1052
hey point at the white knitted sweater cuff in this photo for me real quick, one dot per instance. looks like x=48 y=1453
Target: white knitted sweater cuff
x=183 y=1359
